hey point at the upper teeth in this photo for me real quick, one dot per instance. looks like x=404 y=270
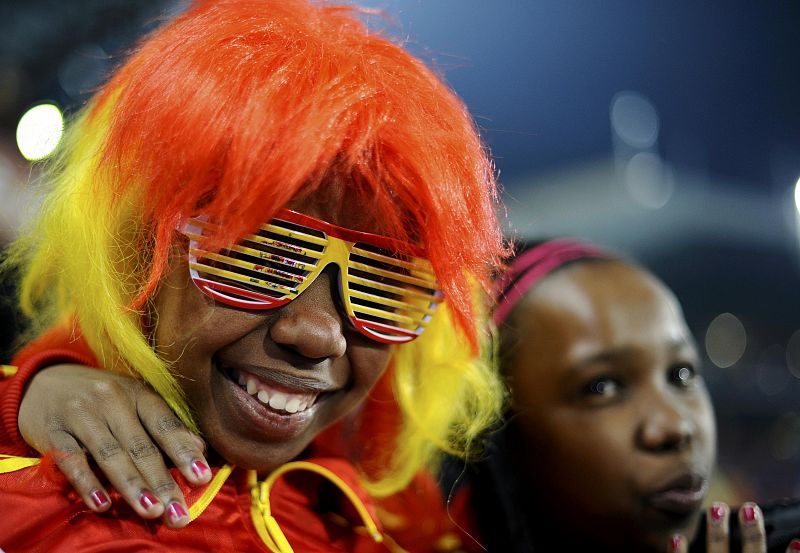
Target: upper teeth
x=278 y=400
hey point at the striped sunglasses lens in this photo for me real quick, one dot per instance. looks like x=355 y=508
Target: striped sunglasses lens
x=388 y=295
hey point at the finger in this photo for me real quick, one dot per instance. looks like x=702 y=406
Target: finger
x=184 y=448
x=717 y=528
x=120 y=470
x=677 y=544
x=71 y=461
x=751 y=521
x=793 y=547
x=147 y=459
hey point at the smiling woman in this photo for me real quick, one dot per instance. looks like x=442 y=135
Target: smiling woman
x=266 y=378
x=261 y=218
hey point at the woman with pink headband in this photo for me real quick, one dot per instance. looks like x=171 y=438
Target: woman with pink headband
x=610 y=440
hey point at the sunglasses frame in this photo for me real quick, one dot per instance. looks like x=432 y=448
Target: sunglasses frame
x=339 y=245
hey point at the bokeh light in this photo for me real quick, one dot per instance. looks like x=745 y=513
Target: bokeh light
x=784 y=437
x=83 y=70
x=793 y=354
x=726 y=340
x=39 y=131
x=647 y=181
x=797 y=195
x=772 y=377
x=634 y=119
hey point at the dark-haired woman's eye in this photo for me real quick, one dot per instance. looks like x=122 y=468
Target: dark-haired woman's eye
x=682 y=375
x=602 y=387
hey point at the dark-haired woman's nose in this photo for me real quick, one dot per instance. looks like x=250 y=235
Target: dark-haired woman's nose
x=666 y=426
x=311 y=324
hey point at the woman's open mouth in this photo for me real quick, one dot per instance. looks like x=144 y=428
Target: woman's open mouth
x=274 y=404
x=280 y=400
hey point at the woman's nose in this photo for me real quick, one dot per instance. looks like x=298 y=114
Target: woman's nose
x=666 y=426
x=311 y=324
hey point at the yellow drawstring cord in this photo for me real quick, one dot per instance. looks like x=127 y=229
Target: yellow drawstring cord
x=210 y=492
x=268 y=527
x=11 y=463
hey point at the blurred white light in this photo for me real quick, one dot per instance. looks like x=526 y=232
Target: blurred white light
x=634 y=119
x=647 y=180
x=726 y=340
x=39 y=131
x=797 y=195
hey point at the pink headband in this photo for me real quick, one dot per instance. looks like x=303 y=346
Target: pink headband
x=532 y=265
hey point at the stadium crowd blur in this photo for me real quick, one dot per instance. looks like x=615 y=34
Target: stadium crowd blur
x=670 y=131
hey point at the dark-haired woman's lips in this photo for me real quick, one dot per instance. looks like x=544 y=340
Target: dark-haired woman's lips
x=683 y=495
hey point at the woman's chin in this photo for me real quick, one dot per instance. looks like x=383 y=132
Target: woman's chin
x=263 y=458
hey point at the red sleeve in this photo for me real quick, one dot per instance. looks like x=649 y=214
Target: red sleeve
x=56 y=346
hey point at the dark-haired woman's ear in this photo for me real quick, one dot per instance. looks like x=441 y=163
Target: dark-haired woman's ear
x=69 y=411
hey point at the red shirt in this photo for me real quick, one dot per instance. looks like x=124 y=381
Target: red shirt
x=235 y=512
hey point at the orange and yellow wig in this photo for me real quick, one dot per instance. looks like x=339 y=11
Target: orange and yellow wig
x=231 y=110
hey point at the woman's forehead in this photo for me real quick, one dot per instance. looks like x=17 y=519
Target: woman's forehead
x=613 y=303
x=336 y=213
x=344 y=208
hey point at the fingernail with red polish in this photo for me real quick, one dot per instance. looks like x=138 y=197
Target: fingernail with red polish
x=795 y=545
x=749 y=513
x=676 y=542
x=100 y=498
x=717 y=513
x=199 y=469
x=176 y=512
x=147 y=500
